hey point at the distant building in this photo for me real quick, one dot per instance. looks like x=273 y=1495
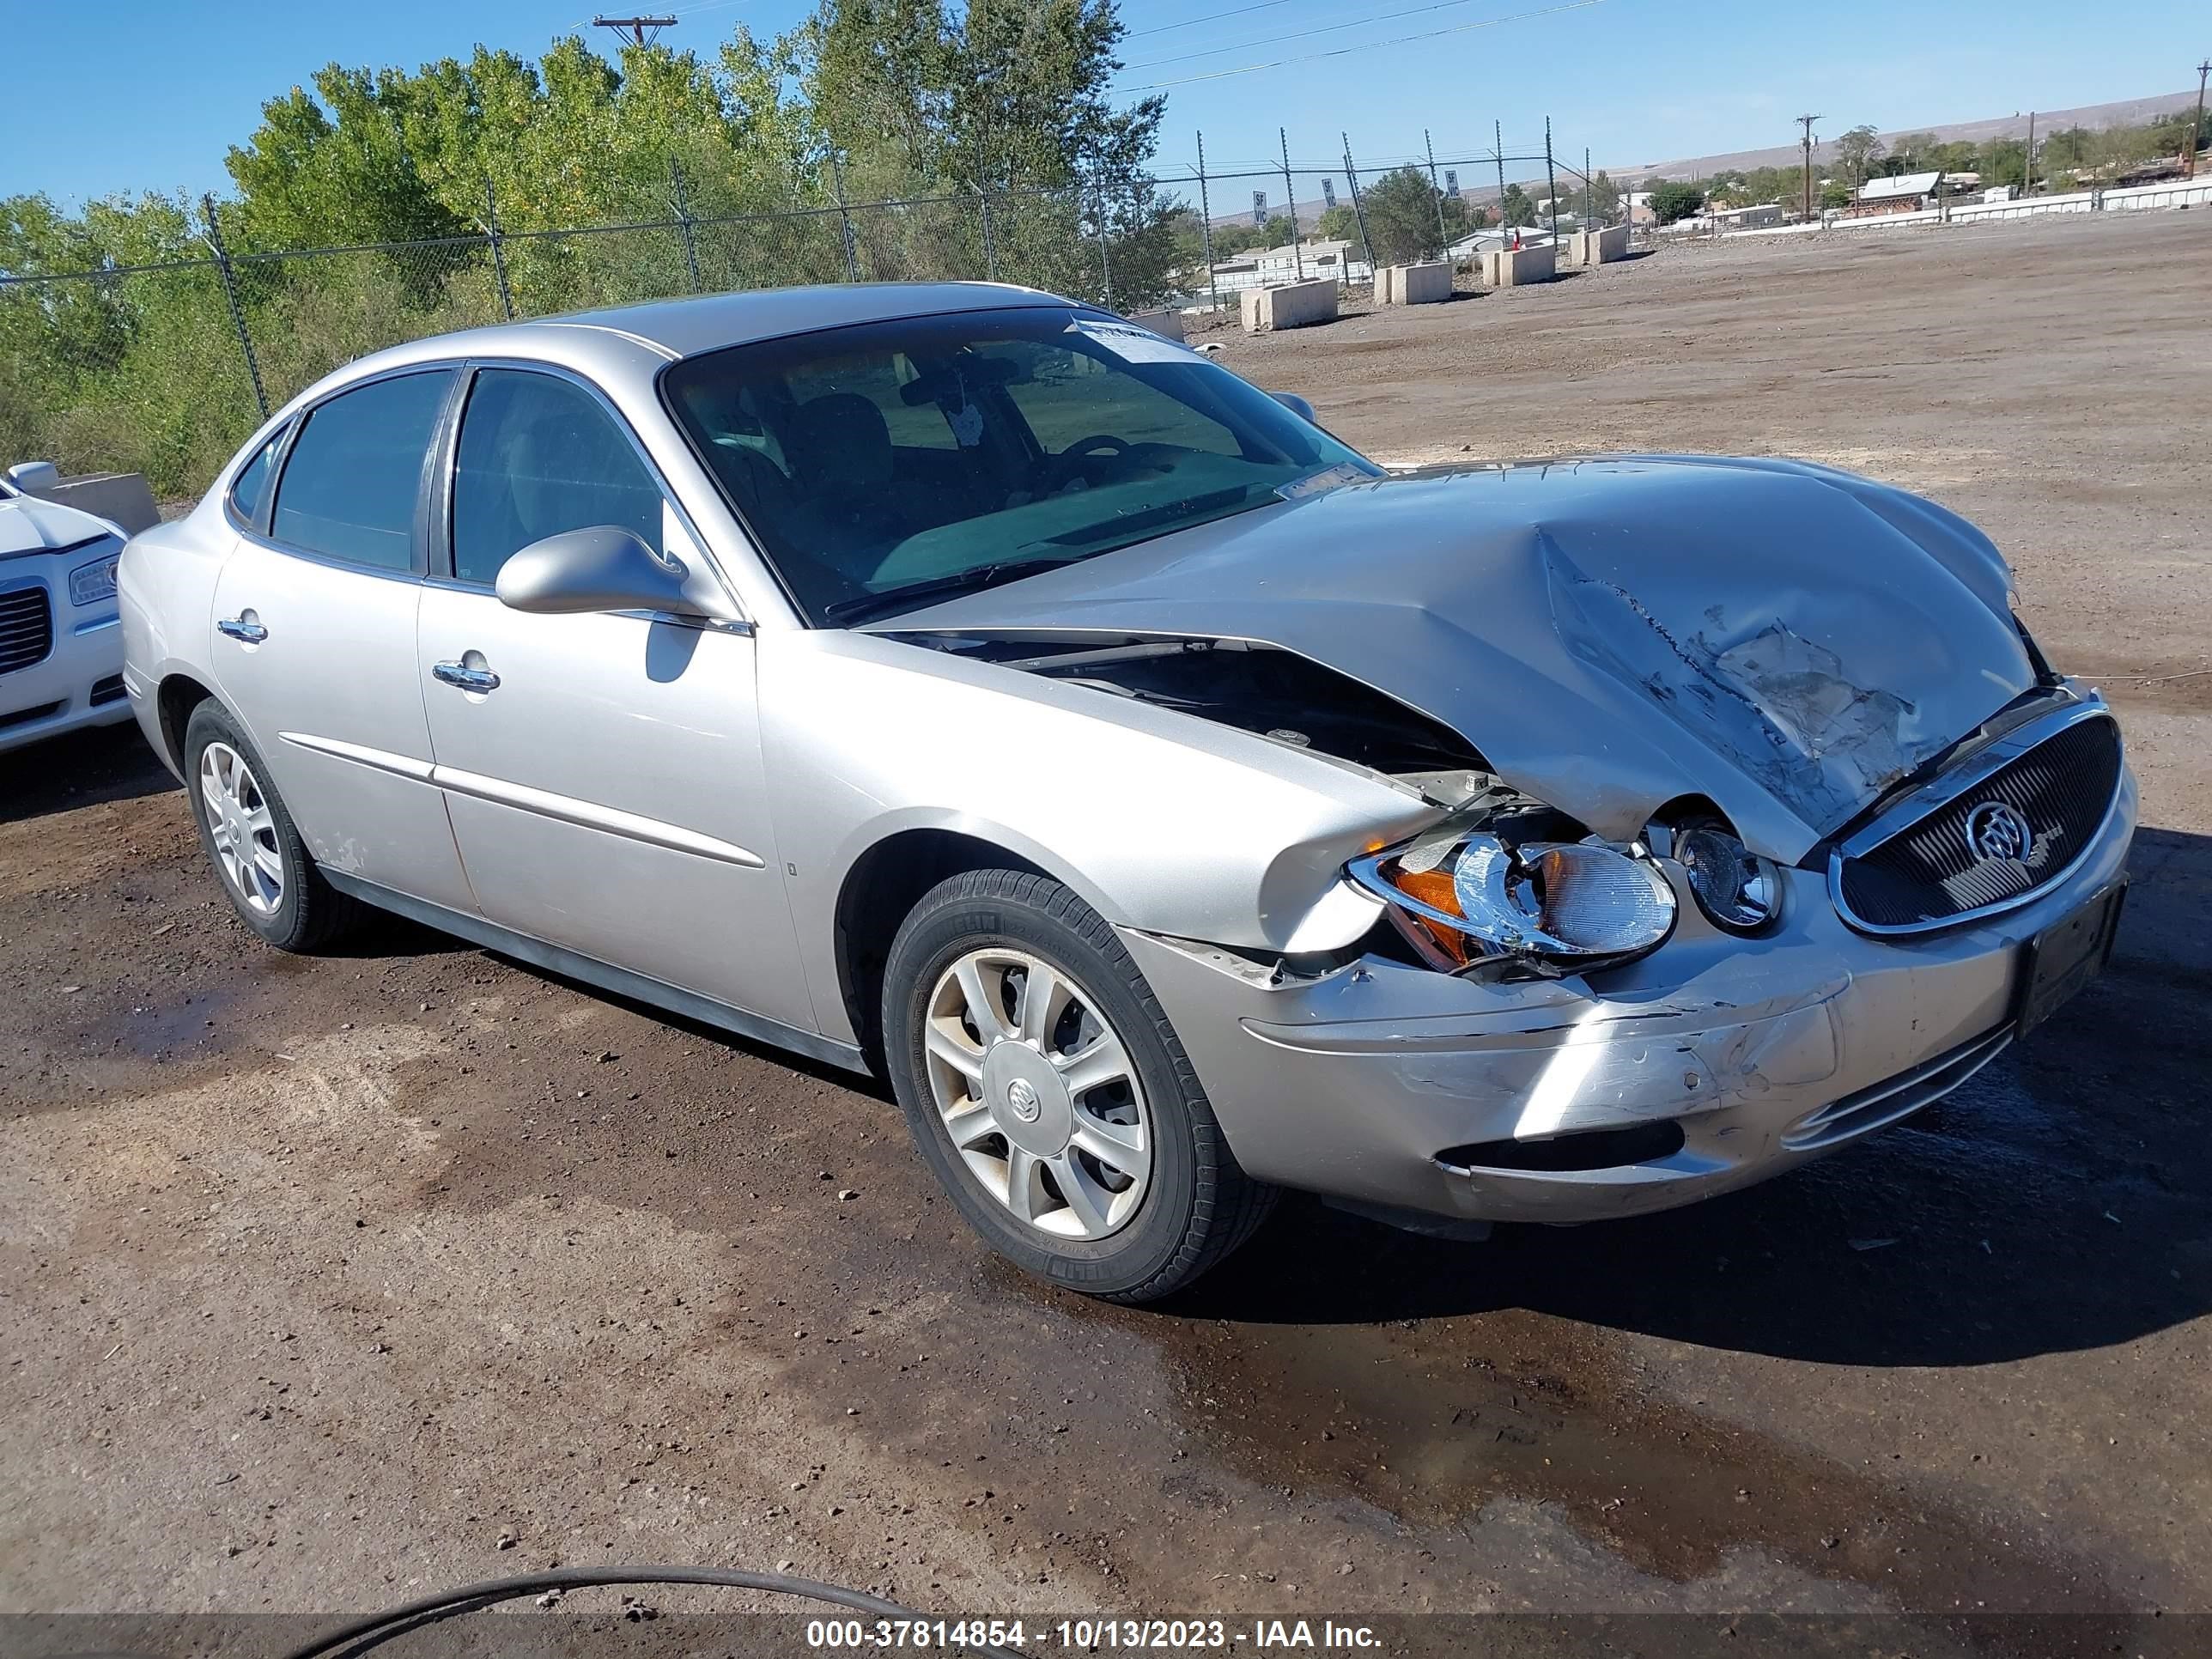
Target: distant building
x=1904 y=192
x=1746 y=218
x=1264 y=266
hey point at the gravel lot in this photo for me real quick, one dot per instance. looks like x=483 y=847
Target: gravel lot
x=318 y=1279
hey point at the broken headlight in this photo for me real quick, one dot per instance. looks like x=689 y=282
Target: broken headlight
x=1462 y=897
x=1734 y=886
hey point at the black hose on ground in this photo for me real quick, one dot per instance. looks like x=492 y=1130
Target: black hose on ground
x=469 y=1598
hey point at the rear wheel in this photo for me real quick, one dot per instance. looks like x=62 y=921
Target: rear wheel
x=262 y=865
x=1047 y=1090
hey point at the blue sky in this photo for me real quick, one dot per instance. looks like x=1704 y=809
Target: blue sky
x=149 y=93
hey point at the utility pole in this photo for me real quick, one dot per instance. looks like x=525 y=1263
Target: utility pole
x=1443 y=235
x=2027 y=165
x=1290 y=195
x=1806 y=122
x=2203 y=70
x=632 y=29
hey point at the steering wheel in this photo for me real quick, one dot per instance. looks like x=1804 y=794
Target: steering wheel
x=1056 y=471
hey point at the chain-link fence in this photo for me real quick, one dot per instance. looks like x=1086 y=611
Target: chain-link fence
x=165 y=367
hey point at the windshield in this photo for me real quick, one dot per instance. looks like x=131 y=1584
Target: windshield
x=883 y=464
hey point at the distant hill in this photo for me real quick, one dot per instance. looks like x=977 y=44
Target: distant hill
x=2131 y=111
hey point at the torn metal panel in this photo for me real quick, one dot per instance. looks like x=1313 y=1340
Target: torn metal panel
x=1609 y=635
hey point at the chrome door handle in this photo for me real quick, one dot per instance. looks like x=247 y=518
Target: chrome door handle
x=252 y=633
x=469 y=679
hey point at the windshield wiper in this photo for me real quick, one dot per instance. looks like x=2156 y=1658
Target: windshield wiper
x=861 y=606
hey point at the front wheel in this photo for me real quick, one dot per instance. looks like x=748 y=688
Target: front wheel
x=1050 y=1094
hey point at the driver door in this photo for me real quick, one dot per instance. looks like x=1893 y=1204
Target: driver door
x=603 y=771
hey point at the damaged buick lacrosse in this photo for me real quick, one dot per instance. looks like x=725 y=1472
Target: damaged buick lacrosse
x=963 y=683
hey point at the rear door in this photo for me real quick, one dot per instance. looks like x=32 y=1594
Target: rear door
x=602 y=772
x=314 y=641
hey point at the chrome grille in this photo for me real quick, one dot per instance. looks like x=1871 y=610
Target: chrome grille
x=1929 y=872
x=27 y=627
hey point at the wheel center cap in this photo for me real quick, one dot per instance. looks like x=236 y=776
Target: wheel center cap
x=1027 y=1099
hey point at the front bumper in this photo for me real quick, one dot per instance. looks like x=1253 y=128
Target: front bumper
x=1764 y=1052
x=78 y=683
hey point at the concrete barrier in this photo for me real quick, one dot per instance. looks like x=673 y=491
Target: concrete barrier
x=1507 y=267
x=2023 y=207
x=1168 y=324
x=124 y=497
x=1288 y=305
x=1424 y=284
x=1891 y=221
x=1596 y=248
x=2170 y=193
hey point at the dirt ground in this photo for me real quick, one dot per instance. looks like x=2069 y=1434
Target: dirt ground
x=326 y=1283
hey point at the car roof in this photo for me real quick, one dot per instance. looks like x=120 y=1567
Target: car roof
x=628 y=344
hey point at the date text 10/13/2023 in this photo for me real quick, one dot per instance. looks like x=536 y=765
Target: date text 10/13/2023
x=1087 y=1635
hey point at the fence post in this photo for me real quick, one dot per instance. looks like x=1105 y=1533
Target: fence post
x=1498 y=150
x=230 y=294
x=1552 y=181
x=683 y=222
x=1290 y=195
x=845 y=218
x=1358 y=206
x=498 y=249
x=1587 y=202
x=990 y=255
x=1205 y=228
x=1429 y=144
x=1105 y=263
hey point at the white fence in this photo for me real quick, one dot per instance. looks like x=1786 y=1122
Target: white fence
x=2136 y=199
x=2173 y=193
x=2030 y=207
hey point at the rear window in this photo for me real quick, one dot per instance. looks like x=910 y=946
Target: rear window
x=252 y=483
x=349 y=489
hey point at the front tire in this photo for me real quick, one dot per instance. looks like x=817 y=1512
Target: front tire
x=262 y=865
x=1050 y=1096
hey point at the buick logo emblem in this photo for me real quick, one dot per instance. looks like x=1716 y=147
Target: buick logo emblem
x=1995 y=830
x=1023 y=1099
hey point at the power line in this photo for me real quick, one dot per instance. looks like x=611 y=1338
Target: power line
x=1364 y=46
x=1301 y=35
x=1205 y=17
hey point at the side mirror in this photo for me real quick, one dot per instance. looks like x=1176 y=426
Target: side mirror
x=34 y=477
x=604 y=567
x=1297 y=406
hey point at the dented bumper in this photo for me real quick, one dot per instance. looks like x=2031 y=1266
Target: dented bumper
x=1390 y=1084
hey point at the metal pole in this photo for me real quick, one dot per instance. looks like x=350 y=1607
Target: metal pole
x=1206 y=228
x=1291 y=195
x=2197 y=131
x=684 y=223
x=1497 y=149
x=1552 y=181
x=1105 y=263
x=1589 y=205
x=1358 y=206
x=230 y=294
x=1443 y=236
x=844 y=218
x=498 y=250
x=990 y=256
x=2027 y=167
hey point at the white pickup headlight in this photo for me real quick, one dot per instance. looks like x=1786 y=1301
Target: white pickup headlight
x=1572 y=900
x=88 y=584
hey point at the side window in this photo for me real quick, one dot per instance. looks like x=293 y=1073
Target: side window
x=349 y=490
x=252 y=481
x=539 y=455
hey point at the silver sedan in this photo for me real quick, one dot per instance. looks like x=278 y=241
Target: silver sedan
x=963 y=684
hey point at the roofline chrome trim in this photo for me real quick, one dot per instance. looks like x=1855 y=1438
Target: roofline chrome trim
x=1941 y=791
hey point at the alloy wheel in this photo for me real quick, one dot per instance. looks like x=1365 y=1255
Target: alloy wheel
x=1038 y=1094
x=241 y=828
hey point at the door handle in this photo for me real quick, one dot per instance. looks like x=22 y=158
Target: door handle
x=242 y=628
x=468 y=679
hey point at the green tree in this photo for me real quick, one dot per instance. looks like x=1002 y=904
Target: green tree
x=1675 y=200
x=1340 y=224
x=1517 y=208
x=1408 y=218
x=1856 y=152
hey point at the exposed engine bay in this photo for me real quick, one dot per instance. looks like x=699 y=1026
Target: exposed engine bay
x=1253 y=687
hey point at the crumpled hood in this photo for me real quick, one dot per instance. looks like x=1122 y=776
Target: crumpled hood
x=30 y=524
x=1786 y=639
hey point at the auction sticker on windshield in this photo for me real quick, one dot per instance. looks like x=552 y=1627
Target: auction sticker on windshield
x=1130 y=343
